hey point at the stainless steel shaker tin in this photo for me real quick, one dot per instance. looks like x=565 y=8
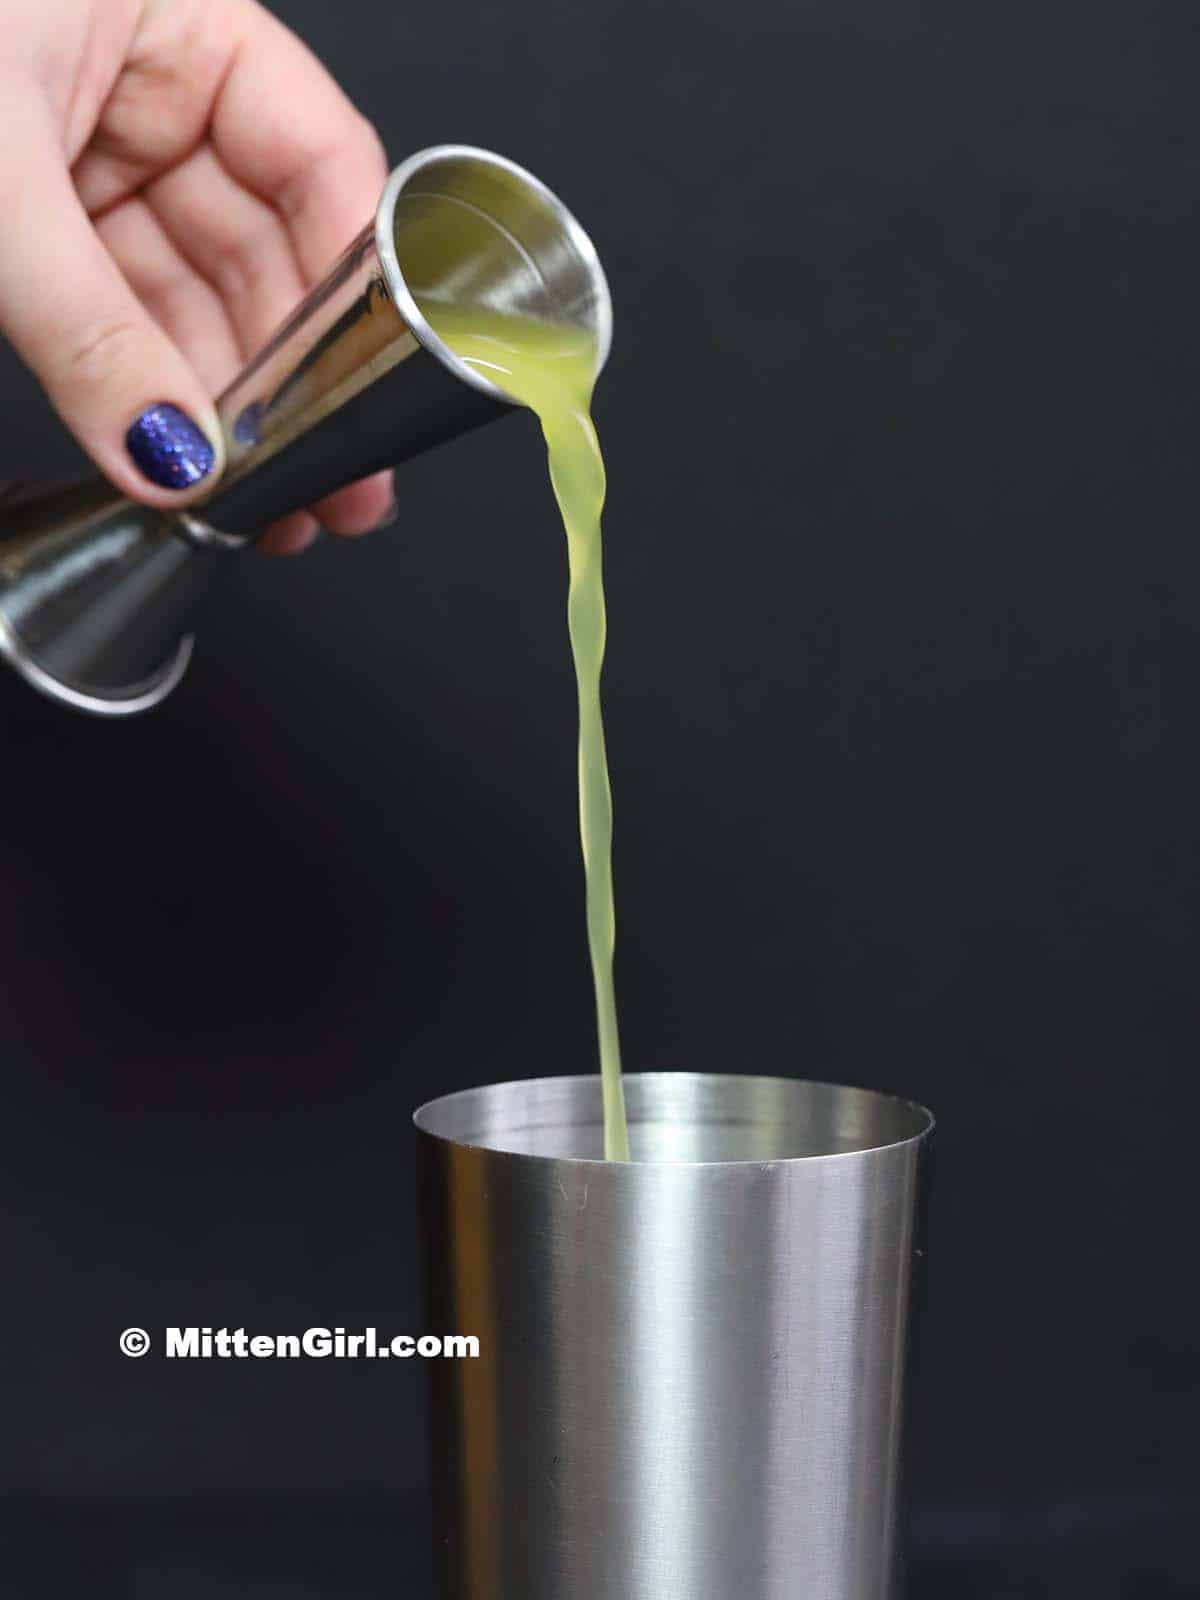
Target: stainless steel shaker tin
x=691 y=1372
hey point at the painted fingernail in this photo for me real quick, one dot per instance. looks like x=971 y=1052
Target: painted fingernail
x=169 y=448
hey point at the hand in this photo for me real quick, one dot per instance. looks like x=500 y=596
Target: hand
x=173 y=175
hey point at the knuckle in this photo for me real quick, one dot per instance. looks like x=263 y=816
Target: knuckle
x=372 y=144
x=101 y=350
x=239 y=265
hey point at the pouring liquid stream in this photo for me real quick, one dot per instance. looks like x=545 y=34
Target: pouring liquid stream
x=551 y=369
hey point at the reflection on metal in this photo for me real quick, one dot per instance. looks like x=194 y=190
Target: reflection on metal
x=97 y=592
x=691 y=1375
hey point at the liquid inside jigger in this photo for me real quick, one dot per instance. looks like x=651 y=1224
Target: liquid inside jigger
x=552 y=370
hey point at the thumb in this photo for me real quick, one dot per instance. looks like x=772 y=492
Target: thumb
x=118 y=382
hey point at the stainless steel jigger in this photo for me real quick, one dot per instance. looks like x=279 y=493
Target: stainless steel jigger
x=96 y=590
x=689 y=1383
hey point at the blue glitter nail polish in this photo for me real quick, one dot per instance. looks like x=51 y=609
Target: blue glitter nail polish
x=169 y=448
x=247 y=429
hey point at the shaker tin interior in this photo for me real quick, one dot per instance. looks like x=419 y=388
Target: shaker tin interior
x=678 y=1118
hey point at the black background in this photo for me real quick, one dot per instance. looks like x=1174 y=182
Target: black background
x=905 y=634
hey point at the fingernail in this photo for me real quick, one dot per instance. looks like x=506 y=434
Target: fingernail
x=389 y=518
x=169 y=448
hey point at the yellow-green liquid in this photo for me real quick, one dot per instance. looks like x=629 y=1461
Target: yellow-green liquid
x=551 y=370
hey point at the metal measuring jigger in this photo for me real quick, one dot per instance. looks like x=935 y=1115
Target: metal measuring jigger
x=690 y=1378
x=96 y=591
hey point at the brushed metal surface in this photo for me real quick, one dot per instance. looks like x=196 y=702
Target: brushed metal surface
x=690 y=1384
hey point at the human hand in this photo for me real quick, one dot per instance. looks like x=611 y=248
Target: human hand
x=174 y=175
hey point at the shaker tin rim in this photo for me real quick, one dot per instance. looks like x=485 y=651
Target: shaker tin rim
x=423 y=1114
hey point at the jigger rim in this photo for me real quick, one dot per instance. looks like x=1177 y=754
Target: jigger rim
x=432 y=1118
x=127 y=702
x=385 y=245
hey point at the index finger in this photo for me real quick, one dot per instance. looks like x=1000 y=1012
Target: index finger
x=283 y=127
